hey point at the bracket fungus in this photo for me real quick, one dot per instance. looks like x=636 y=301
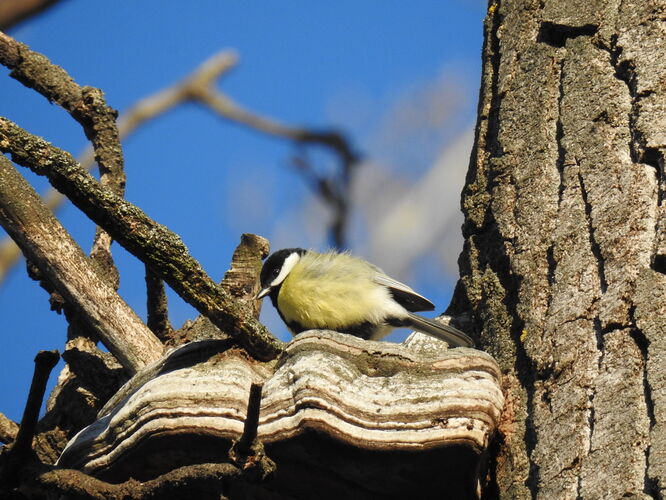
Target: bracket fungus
x=381 y=419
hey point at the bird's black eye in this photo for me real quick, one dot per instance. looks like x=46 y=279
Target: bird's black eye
x=275 y=272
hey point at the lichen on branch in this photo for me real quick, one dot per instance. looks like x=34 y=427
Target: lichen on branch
x=149 y=241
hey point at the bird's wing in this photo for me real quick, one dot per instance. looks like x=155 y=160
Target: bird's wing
x=404 y=295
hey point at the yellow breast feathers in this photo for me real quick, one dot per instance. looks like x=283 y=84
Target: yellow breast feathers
x=318 y=294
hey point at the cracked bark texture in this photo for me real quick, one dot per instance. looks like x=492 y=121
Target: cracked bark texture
x=564 y=257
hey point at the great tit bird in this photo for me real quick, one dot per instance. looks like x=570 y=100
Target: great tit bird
x=339 y=292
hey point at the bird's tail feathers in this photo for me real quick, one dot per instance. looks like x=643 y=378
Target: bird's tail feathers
x=450 y=335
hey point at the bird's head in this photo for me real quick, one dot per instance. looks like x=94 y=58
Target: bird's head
x=276 y=268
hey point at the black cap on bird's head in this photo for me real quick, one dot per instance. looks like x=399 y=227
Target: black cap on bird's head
x=276 y=268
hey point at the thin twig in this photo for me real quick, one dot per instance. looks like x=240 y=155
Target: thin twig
x=228 y=109
x=200 y=88
x=150 y=242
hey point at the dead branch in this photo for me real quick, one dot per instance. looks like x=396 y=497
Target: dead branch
x=244 y=443
x=248 y=452
x=150 y=242
x=227 y=108
x=46 y=243
x=21 y=451
x=184 y=90
x=45 y=361
x=242 y=278
x=200 y=87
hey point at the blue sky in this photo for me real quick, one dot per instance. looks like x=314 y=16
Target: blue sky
x=320 y=64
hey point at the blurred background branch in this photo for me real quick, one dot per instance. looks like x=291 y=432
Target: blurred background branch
x=199 y=87
x=13 y=12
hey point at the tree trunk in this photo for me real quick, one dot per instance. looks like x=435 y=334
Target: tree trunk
x=564 y=257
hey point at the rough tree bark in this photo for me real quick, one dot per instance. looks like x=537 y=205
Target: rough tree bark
x=563 y=263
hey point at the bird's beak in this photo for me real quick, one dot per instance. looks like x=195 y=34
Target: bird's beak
x=263 y=293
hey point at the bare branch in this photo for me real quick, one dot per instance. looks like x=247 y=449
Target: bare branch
x=9 y=251
x=46 y=243
x=8 y=429
x=187 y=89
x=227 y=108
x=149 y=241
x=199 y=87
x=190 y=480
x=45 y=361
x=334 y=189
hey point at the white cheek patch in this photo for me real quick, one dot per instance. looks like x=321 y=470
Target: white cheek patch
x=288 y=265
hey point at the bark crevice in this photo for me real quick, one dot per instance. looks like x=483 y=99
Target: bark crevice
x=594 y=244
